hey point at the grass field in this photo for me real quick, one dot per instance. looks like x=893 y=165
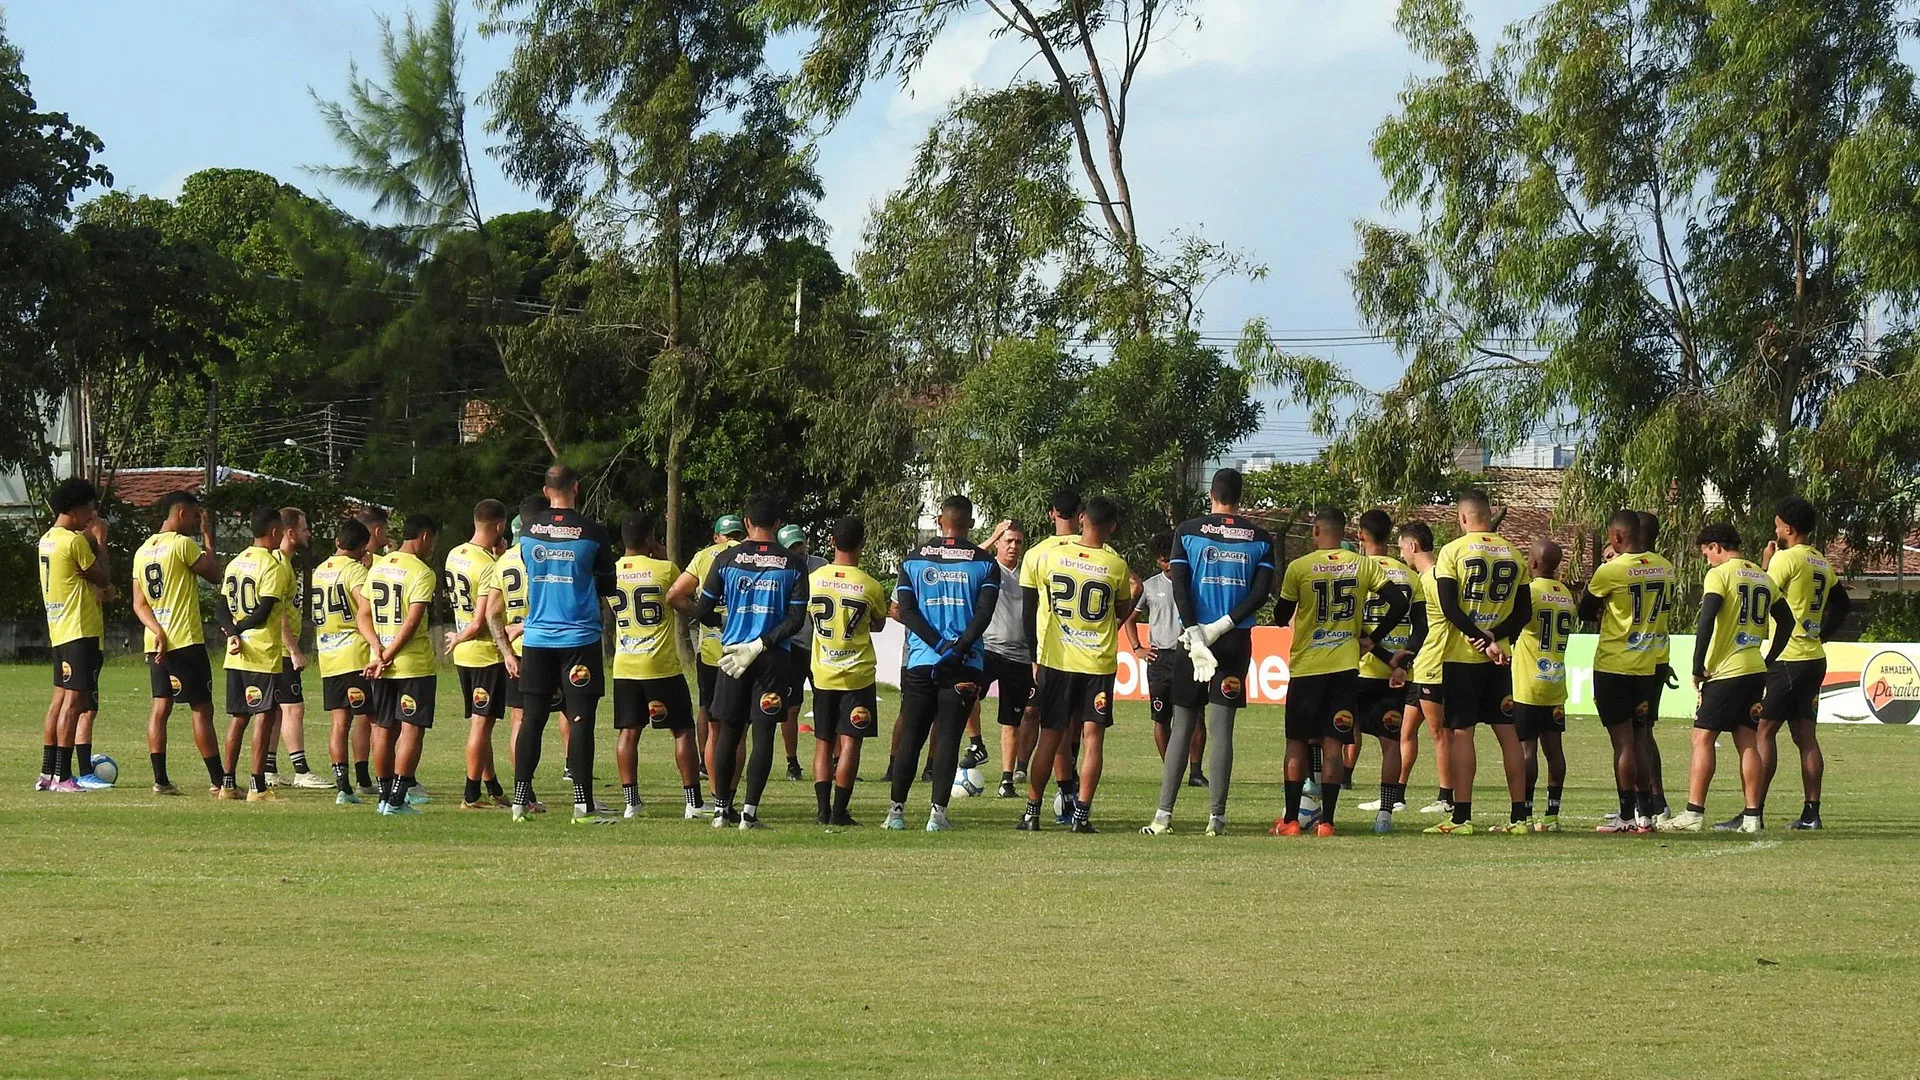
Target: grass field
x=142 y=936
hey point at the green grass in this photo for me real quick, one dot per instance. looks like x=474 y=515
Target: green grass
x=172 y=937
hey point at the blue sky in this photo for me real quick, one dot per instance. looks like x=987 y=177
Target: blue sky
x=1252 y=128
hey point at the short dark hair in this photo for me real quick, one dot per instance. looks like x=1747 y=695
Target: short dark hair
x=71 y=494
x=1478 y=499
x=417 y=526
x=1333 y=516
x=957 y=504
x=1626 y=523
x=559 y=477
x=636 y=529
x=176 y=498
x=1419 y=532
x=849 y=534
x=763 y=509
x=1014 y=526
x=1649 y=527
x=371 y=515
x=533 y=506
x=1798 y=513
x=264 y=520
x=351 y=535
x=291 y=516
x=1227 y=486
x=1376 y=525
x=1160 y=545
x=1066 y=503
x=1722 y=533
x=491 y=511
x=1102 y=512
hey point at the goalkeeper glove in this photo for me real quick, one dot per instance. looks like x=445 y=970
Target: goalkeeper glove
x=736 y=659
x=1215 y=630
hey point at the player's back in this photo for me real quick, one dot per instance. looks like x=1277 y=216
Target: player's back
x=1488 y=573
x=469 y=572
x=1391 y=572
x=569 y=561
x=1082 y=591
x=1746 y=597
x=1430 y=662
x=72 y=610
x=1540 y=651
x=163 y=571
x=1223 y=553
x=395 y=584
x=1804 y=579
x=1638 y=589
x=1330 y=588
x=510 y=577
x=757 y=581
x=331 y=602
x=252 y=577
x=643 y=646
x=699 y=566
x=842 y=602
x=946 y=577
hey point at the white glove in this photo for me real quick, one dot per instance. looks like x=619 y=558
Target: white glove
x=1217 y=629
x=1204 y=664
x=736 y=659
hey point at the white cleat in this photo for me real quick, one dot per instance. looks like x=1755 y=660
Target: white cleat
x=311 y=781
x=1161 y=825
x=1372 y=806
x=1216 y=826
x=1687 y=821
x=1752 y=823
x=937 y=819
x=632 y=811
x=748 y=822
x=1437 y=806
x=696 y=811
x=273 y=779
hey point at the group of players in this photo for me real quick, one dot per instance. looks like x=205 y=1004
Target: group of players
x=1475 y=633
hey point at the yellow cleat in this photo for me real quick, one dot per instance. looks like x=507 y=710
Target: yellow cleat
x=1511 y=828
x=268 y=795
x=1550 y=823
x=1448 y=828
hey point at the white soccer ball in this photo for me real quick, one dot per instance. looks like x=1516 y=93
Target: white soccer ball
x=1309 y=810
x=105 y=768
x=968 y=782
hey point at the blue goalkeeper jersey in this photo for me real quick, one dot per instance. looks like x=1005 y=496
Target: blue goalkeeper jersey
x=759 y=584
x=946 y=579
x=1223 y=553
x=569 y=568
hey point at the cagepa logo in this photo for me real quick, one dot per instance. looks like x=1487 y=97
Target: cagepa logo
x=542 y=553
x=579 y=675
x=933 y=575
x=1223 y=555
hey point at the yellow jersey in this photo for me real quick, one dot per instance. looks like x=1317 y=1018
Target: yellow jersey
x=1746 y=594
x=1392 y=572
x=1084 y=591
x=698 y=566
x=1429 y=663
x=1540 y=652
x=333 y=596
x=469 y=574
x=291 y=616
x=1638 y=590
x=1489 y=573
x=1331 y=588
x=510 y=581
x=845 y=604
x=163 y=570
x=396 y=583
x=1804 y=579
x=254 y=577
x=73 y=611
x=643 y=624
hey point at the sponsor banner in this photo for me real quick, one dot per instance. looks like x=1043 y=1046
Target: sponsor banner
x=1866 y=682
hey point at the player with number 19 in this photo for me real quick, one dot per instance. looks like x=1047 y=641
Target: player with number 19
x=1540 y=680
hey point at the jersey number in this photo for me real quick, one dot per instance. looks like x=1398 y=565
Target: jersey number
x=331 y=600
x=1096 y=598
x=853 y=614
x=511 y=582
x=380 y=594
x=243 y=595
x=1556 y=628
x=1645 y=612
x=155 y=578
x=1335 y=598
x=643 y=601
x=1754 y=602
x=1489 y=581
x=460 y=595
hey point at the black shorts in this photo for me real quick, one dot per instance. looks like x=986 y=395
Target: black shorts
x=760 y=693
x=404 y=701
x=1322 y=706
x=575 y=672
x=1793 y=690
x=1532 y=721
x=1233 y=655
x=704 y=677
x=185 y=676
x=660 y=703
x=922 y=688
x=1728 y=704
x=1160 y=686
x=1621 y=699
x=249 y=693
x=1015 y=678
x=1068 y=698
x=851 y=713
x=1418 y=692
x=484 y=689
x=76 y=665
x=346 y=691
x=1380 y=708
x=286 y=685
x=799 y=675
x=1477 y=694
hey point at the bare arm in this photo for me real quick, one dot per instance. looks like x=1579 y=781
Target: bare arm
x=143 y=611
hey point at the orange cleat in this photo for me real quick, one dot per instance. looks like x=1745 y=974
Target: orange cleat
x=1284 y=827
x=1323 y=828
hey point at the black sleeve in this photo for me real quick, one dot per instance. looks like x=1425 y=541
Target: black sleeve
x=254 y=621
x=706 y=609
x=223 y=618
x=1782 y=629
x=1518 y=618
x=1399 y=599
x=1180 y=576
x=605 y=581
x=1839 y=606
x=1256 y=598
x=983 y=605
x=1710 y=606
x=913 y=619
x=1418 y=613
x=1031 y=627
x=796 y=613
x=1283 y=611
x=1450 y=609
x=1591 y=606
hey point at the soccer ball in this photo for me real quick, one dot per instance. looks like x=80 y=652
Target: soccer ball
x=1309 y=810
x=968 y=782
x=105 y=768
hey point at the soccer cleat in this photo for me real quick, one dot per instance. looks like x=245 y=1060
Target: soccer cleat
x=1732 y=824
x=1019 y=776
x=365 y=791
x=231 y=794
x=1373 y=805
x=1550 y=823
x=273 y=780
x=92 y=782
x=1008 y=791
x=937 y=820
x=1752 y=823
x=1617 y=826
x=1198 y=779
x=975 y=757
x=539 y=807
x=1642 y=826
x=1511 y=828
x=1027 y=823
x=417 y=796
x=268 y=795
x=311 y=781
x=1063 y=810
x=1438 y=806
x=1216 y=826
x=793 y=770
x=1283 y=827
x=346 y=798
x=749 y=823
x=1686 y=821
x=633 y=809
x=591 y=817
x=843 y=820
x=1800 y=824
x=695 y=811
x=66 y=787
x=403 y=810
x=166 y=789
x=1161 y=825
x=1383 y=821
x=500 y=801
x=1080 y=826
x=896 y=821
x=477 y=804
x=521 y=814
x=1448 y=828
x=43 y=782
x=886 y=776
x=1324 y=828
x=720 y=818
x=926 y=774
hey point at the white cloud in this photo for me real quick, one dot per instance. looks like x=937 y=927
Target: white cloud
x=1244 y=35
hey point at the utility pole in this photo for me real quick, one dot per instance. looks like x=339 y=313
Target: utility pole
x=333 y=468
x=213 y=437
x=799 y=291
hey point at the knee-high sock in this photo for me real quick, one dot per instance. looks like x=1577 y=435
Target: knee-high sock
x=580 y=756
x=760 y=764
x=913 y=736
x=526 y=748
x=1173 y=774
x=1220 y=747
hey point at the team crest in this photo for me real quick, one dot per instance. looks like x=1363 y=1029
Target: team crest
x=254 y=697
x=1640 y=711
x=1559 y=715
x=656 y=710
x=408 y=706
x=578 y=675
x=481 y=699
x=1753 y=711
x=1230 y=686
x=173 y=681
x=356 y=698
x=967 y=691
x=1100 y=702
x=860 y=717
x=770 y=702
x=1343 y=721
x=66 y=671
x=1506 y=705
x=1390 y=720
x=1158 y=705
